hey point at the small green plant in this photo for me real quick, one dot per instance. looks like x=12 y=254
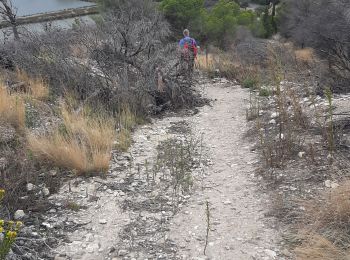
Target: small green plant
x=250 y=82
x=72 y=205
x=30 y=155
x=264 y=92
x=8 y=233
x=31 y=117
x=178 y=157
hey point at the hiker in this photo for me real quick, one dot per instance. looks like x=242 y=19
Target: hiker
x=188 y=48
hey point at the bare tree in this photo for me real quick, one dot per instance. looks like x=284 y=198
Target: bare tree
x=9 y=13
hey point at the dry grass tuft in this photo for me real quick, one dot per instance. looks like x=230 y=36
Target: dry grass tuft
x=205 y=62
x=12 y=109
x=305 y=55
x=335 y=211
x=328 y=226
x=219 y=64
x=320 y=248
x=83 y=144
x=38 y=88
x=98 y=130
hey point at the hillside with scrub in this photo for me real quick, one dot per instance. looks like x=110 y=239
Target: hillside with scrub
x=119 y=141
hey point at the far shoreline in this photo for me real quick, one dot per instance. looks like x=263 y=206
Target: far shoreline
x=52 y=16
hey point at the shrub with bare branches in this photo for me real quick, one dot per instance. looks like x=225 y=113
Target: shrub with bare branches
x=125 y=58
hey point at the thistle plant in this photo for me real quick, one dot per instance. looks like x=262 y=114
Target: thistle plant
x=8 y=232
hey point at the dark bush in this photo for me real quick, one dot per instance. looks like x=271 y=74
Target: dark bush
x=323 y=25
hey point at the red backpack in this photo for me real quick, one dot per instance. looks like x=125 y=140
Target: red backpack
x=191 y=47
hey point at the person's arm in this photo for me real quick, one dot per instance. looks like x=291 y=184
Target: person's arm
x=181 y=43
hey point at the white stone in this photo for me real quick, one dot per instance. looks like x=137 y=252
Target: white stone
x=46 y=192
x=53 y=173
x=46 y=224
x=30 y=186
x=334 y=185
x=19 y=214
x=272 y=122
x=328 y=184
x=122 y=252
x=271 y=253
x=331 y=184
x=274 y=115
x=102 y=221
x=301 y=154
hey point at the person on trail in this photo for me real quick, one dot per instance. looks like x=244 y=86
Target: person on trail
x=188 y=49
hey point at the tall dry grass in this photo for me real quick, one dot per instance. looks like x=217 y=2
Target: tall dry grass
x=37 y=87
x=335 y=210
x=97 y=129
x=83 y=143
x=12 y=109
x=327 y=227
x=306 y=55
x=205 y=62
x=218 y=64
x=320 y=248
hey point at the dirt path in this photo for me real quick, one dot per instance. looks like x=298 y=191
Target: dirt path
x=143 y=209
x=237 y=221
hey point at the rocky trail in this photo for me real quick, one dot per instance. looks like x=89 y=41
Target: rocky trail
x=187 y=182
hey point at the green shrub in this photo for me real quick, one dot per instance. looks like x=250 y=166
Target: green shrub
x=250 y=82
x=264 y=92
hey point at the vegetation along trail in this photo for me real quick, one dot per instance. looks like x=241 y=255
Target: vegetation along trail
x=150 y=207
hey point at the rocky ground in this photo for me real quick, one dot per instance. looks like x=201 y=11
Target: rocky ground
x=156 y=199
x=188 y=184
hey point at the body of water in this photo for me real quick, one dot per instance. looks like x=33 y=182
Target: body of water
x=30 y=7
x=6 y=34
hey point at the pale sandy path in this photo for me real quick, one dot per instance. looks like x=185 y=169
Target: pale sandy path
x=236 y=206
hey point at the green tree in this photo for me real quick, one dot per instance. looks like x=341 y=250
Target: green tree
x=246 y=18
x=222 y=21
x=183 y=13
x=268 y=23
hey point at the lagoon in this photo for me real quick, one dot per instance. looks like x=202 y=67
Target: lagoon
x=31 y=7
